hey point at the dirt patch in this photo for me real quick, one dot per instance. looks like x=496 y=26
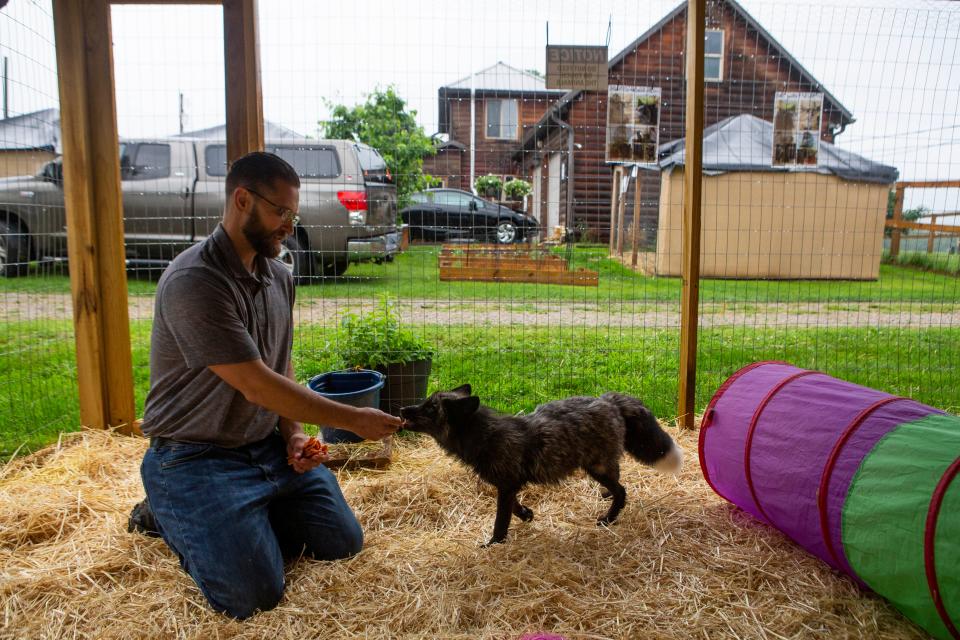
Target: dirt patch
x=628 y=314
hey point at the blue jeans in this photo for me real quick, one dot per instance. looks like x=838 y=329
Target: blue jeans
x=233 y=515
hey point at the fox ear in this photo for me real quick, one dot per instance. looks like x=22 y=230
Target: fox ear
x=463 y=390
x=461 y=407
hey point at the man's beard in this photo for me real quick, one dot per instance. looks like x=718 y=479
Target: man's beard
x=259 y=238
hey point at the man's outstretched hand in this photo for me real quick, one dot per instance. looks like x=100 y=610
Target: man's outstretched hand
x=374 y=424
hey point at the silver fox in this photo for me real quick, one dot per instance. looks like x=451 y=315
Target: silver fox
x=559 y=437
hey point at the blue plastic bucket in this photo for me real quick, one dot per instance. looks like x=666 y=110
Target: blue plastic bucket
x=359 y=388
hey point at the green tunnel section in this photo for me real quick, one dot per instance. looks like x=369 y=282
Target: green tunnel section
x=885 y=519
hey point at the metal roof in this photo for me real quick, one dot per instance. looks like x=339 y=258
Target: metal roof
x=745 y=143
x=39 y=130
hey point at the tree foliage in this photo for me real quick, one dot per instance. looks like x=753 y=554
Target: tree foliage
x=384 y=123
x=909 y=215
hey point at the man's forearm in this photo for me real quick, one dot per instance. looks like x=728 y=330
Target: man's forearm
x=295 y=402
x=287 y=426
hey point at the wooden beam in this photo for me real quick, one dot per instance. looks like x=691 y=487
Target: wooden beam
x=923 y=226
x=930 y=184
x=692 y=183
x=94 y=211
x=622 y=214
x=615 y=207
x=897 y=218
x=636 y=219
x=243 y=92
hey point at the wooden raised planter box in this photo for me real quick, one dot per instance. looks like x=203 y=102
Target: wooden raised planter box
x=496 y=263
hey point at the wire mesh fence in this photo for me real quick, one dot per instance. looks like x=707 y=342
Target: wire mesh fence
x=458 y=206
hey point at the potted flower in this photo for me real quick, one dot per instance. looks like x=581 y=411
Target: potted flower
x=488 y=185
x=517 y=189
x=376 y=340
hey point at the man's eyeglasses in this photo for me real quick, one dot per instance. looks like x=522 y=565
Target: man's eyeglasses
x=288 y=215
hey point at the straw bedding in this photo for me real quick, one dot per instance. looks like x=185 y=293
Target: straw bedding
x=680 y=563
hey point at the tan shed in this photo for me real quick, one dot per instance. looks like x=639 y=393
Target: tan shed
x=760 y=221
x=29 y=141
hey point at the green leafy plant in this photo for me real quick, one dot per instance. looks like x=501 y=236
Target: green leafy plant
x=517 y=188
x=488 y=184
x=376 y=339
x=385 y=123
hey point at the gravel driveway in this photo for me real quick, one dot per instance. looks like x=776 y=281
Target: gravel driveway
x=23 y=306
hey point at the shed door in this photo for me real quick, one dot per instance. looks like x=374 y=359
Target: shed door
x=553 y=193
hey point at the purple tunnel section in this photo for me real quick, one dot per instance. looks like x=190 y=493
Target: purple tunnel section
x=784 y=443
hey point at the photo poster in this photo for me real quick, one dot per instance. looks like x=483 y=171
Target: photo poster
x=796 y=128
x=633 y=124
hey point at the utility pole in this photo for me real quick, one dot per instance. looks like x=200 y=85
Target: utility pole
x=181 y=112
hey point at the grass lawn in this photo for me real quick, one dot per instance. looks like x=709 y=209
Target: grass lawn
x=515 y=368
x=414 y=275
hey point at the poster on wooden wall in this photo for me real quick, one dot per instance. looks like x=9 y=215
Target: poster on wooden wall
x=633 y=124
x=796 y=128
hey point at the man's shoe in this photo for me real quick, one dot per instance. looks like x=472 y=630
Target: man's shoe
x=141 y=520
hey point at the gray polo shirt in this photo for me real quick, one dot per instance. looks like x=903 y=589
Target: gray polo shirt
x=210 y=310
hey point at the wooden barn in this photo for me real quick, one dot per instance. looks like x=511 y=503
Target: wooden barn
x=564 y=152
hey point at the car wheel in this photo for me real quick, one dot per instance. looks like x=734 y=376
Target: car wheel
x=295 y=256
x=14 y=251
x=506 y=232
x=332 y=265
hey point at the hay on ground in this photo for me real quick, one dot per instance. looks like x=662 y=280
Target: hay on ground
x=680 y=563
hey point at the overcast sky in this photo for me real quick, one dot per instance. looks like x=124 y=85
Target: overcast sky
x=895 y=64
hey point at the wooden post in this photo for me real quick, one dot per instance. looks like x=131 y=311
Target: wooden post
x=636 y=218
x=614 y=207
x=94 y=210
x=243 y=92
x=692 y=183
x=622 y=212
x=897 y=217
x=932 y=235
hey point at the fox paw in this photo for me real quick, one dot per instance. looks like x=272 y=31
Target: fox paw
x=524 y=513
x=605 y=521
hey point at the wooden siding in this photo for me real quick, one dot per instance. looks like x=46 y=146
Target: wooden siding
x=754 y=71
x=492 y=155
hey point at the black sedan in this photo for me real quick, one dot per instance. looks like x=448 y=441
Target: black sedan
x=451 y=214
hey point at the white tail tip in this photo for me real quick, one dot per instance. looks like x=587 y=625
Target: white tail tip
x=672 y=461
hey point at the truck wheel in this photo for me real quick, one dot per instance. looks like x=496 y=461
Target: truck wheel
x=297 y=259
x=332 y=266
x=14 y=251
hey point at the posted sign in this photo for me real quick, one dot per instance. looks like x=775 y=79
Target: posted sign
x=576 y=67
x=796 y=128
x=633 y=124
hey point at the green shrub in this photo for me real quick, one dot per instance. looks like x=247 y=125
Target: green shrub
x=376 y=339
x=517 y=188
x=488 y=184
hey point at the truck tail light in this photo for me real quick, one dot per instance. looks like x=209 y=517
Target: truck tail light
x=356 y=204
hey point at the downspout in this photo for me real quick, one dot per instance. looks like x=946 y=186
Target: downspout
x=473 y=131
x=568 y=215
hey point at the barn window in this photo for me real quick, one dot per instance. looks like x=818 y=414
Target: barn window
x=713 y=55
x=502 y=119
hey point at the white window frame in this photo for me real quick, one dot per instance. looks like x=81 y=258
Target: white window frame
x=486 y=120
x=718 y=56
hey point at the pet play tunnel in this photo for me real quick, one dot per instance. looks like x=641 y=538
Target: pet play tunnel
x=864 y=480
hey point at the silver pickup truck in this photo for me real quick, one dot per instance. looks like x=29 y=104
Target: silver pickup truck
x=173 y=196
